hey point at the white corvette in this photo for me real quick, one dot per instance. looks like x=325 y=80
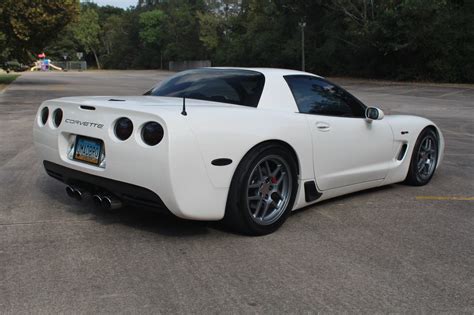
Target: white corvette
x=244 y=145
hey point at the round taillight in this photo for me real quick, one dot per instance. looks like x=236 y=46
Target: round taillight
x=57 y=117
x=152 y=133
x=123 y=128
x=44 y=115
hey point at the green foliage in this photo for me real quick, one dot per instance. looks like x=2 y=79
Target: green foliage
x=29 y=27
x=153 y=25
x=211 y=26
x=86 y=31
x=7 y=78
x=4 y=51
x=396 y=39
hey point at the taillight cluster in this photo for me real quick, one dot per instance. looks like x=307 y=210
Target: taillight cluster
x=151 y=132
x=57 y=117
x=123 y=128
x=44 y=115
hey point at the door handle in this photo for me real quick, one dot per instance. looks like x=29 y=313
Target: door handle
x=323 y=126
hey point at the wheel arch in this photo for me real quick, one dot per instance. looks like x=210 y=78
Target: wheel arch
x=232 y=216
x=441 y=143
x=281 y=143
x=278 y=142
x=432 y=127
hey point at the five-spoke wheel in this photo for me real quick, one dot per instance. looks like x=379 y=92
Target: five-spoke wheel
x=268 y=190
x=424 y=158
x=263 y=190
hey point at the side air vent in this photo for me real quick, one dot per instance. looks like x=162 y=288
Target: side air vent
x=403 y=150
x=85 y=107
x=116 y=100
x=310 y=191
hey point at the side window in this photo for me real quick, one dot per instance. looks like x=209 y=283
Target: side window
x=320 y=97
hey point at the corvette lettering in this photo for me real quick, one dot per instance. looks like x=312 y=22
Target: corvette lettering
x=84 y=123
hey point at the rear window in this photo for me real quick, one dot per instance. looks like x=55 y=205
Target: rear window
x=239 y=87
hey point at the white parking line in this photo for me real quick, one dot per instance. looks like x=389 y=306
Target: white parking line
x=445 y=198
x=451 y=93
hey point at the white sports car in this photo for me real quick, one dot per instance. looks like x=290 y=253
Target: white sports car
x=244 y=145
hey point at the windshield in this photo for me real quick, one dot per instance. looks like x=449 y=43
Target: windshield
x=233 y=86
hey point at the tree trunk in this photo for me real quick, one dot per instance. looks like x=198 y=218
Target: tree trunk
x=96 y=59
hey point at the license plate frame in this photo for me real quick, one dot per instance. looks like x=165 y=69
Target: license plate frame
x=88 y=158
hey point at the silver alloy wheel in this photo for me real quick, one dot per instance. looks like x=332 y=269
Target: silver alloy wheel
x=427 y=157
x=269 y=190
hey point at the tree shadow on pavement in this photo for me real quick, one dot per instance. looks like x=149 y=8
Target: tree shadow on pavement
x=31 y=81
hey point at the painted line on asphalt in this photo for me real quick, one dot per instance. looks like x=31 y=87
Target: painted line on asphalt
x=452 y=93
x=445 y=198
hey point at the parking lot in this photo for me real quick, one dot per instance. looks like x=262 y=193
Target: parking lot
x=392 y=249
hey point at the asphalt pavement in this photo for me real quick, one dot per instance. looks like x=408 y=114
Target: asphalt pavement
x=392 y=249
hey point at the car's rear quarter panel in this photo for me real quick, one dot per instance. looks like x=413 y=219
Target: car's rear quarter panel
x=233 y=132
x=178 y=169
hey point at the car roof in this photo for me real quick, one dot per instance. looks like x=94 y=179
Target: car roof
x=270 y=71
x=276 y=93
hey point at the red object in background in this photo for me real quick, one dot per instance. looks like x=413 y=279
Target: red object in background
x=43 y=55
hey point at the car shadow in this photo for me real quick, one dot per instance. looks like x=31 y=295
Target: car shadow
x=344 y=197
x=163 y=222
x=152 y=221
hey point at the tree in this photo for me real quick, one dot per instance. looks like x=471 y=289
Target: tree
x=183 y=30
x=4 y=51
x=210 y=26
x=109 y=19
x=395 y=39
x=86 y=31
x=153 y=30
x=28 y=27
x=172 y=30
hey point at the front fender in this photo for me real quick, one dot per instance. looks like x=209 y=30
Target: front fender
x=406 y=130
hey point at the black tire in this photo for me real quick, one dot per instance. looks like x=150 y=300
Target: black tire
x=238 y=216
x=414 y=177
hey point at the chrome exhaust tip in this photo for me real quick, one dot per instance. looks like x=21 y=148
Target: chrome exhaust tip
x=97 y=199
x=111 y=203
x=70 y=192
x=80 y=194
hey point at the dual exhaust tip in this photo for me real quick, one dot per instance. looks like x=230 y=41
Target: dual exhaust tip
x=77 y=193
x=105 y=201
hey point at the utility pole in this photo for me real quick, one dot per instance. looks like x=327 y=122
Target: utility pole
x=302 y=25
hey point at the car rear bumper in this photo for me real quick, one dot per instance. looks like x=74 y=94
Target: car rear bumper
x=174 y=169
x=127 y=193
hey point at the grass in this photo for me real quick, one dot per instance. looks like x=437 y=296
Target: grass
x=6 y=79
